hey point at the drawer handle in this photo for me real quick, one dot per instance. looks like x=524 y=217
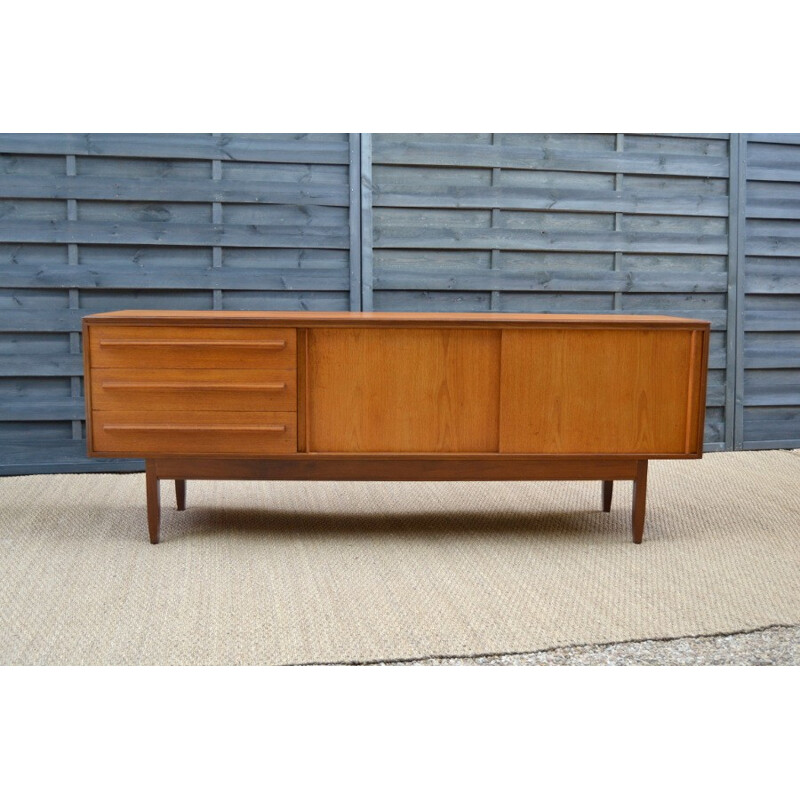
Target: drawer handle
x=270 y=344
x=236 y=387
x=171 y=427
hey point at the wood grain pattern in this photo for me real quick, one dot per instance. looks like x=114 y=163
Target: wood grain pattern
x=180 y=495
x=179 y=390
x=394 y=468
x=153 y=490
x=699 y=394
x=302 y=390
x=137 y=433
x=399 y=397
x=639 y=502
x=572 y=391
x=608 y=493
x=371 y=319
x=403 y=391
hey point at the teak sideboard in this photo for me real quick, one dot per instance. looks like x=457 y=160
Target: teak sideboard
x=394 y=396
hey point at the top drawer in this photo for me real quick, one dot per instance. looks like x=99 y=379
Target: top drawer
x=191 y=346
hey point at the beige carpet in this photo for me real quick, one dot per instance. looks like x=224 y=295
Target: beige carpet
x=277 y=573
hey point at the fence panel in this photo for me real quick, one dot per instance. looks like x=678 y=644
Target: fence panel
x=556 y=223
x=97 y=222
x=770 y=366
x=704 y=225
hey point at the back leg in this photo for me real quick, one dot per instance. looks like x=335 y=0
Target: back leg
x=608 y=490
x=180 y=494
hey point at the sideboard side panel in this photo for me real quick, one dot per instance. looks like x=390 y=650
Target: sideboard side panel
x=571 y=391
x=87 y=386
x=403 y=390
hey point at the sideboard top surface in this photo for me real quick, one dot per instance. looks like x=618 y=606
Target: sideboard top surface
x=390 y=319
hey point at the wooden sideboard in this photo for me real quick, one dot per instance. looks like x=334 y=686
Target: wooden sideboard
x=394 y=396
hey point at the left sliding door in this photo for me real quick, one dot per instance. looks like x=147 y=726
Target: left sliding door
x=403 y=390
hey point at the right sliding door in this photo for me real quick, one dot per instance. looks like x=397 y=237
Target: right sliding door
x=574 y=391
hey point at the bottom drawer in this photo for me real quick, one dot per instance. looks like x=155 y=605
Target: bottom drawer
x=136 y=433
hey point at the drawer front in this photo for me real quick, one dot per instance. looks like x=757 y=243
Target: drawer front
x=163 y=347
x=133 y=433
x=194 y=389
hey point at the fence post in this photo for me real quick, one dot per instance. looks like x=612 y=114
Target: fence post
x=366 y=221
x=734 y=368
x=355 y=221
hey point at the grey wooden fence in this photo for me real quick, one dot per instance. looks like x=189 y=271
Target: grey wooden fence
x=768 y=358
x=564 y=223
x=98 y=222
x=704 y=225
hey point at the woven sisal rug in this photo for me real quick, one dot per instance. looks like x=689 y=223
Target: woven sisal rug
x=286 y=573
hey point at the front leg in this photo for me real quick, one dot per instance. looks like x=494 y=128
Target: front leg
x=639 y=501
x=153 y=501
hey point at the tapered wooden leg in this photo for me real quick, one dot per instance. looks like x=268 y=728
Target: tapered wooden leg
x=180 y=494
x=639 y=501
x=153 y=501
x=608 y=490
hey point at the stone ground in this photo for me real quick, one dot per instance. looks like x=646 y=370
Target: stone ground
x=775 y=646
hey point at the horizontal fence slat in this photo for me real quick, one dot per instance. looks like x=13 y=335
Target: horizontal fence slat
x=693 y=135
x=170 y=233
x=774 y=395
x=778 y=174
x=771 y=320
x=773 y=208
x=42 y=320
x=764 y=423
x=56 y=456
x=517 y=239
x=713 y=447
x=717 y=359
x=503 y=156
x=171 y=189
x=178 y=146
x=772 y=444
x=774 y=138
x=29 y=409
x=715 y=396
x=771 y=283
x=761 y=357
x=773 y=246
x=40 y=365
x=551 y=280
x=514 y=198
x=169 y=277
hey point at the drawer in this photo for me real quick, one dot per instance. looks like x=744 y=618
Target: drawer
x=181 y=346
x=133 y=433
x=194 y=389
